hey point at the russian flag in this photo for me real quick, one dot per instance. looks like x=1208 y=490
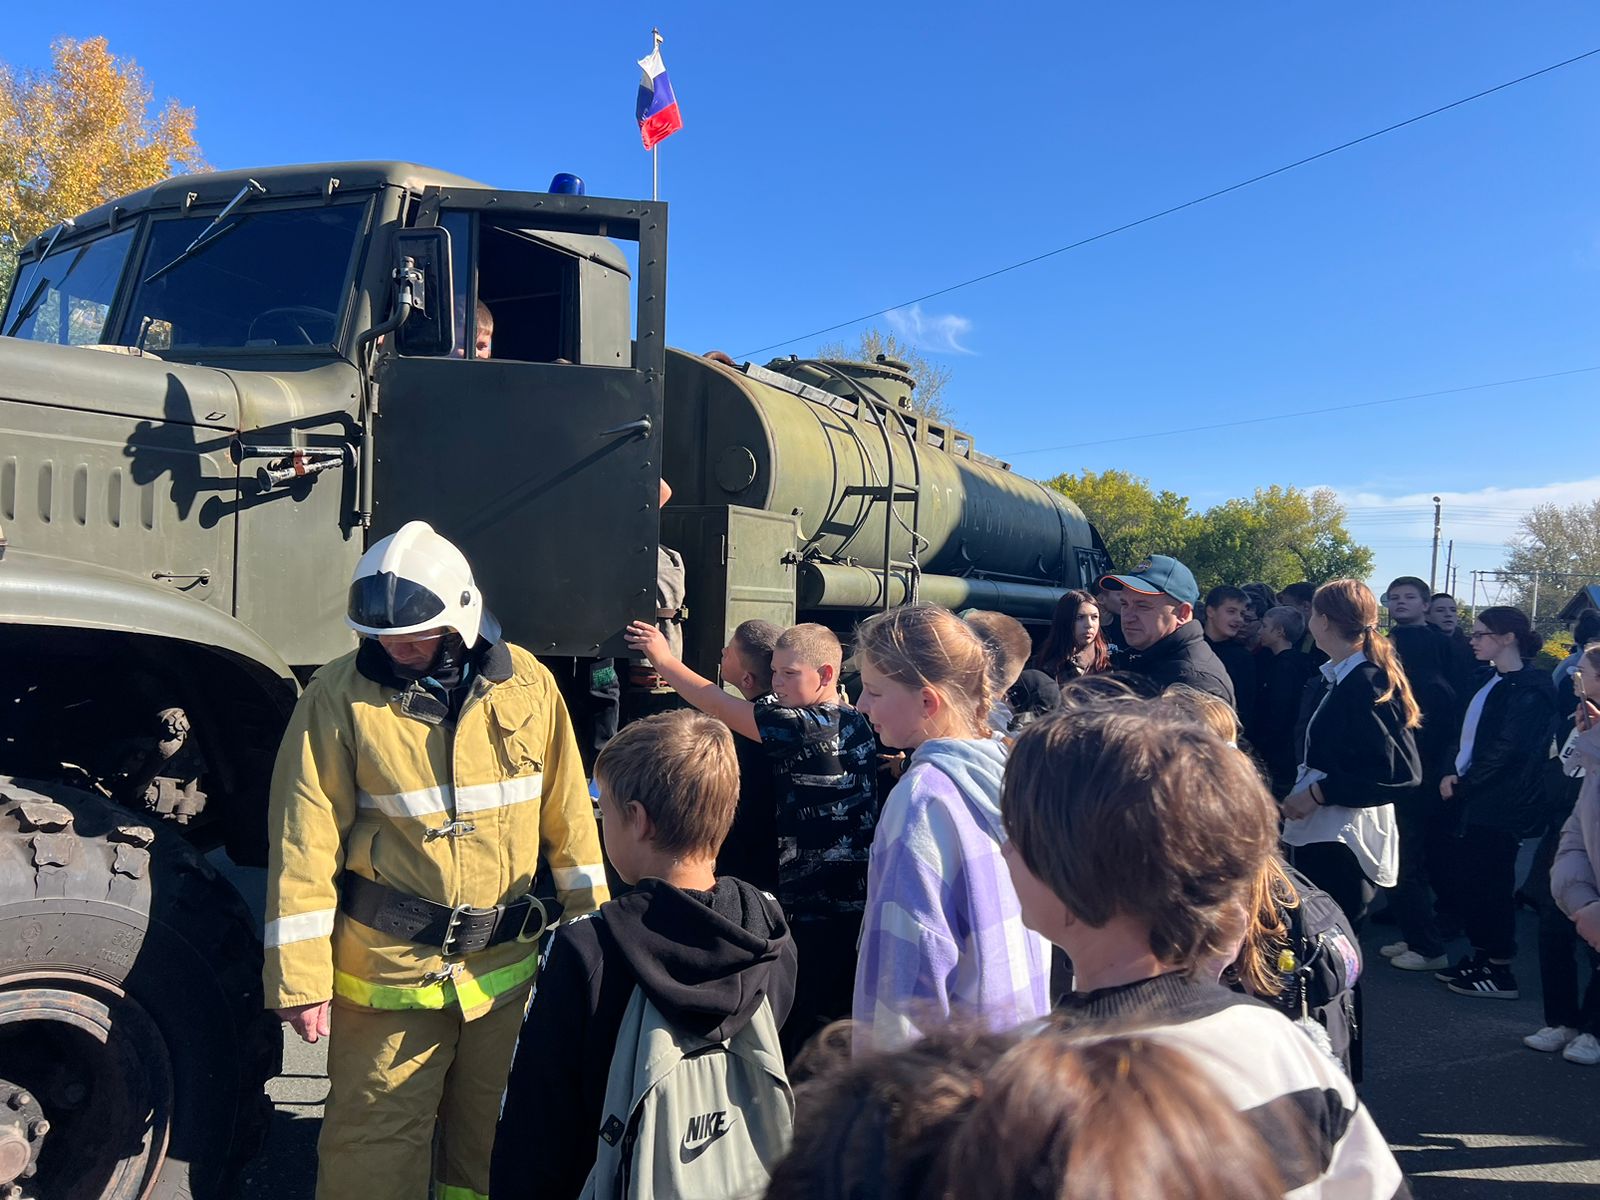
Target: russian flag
x=658 y=108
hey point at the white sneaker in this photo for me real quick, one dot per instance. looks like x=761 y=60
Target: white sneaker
x=1393 y=949
x=1583 y=1049
x=1551 y=1038
x=1410 y=960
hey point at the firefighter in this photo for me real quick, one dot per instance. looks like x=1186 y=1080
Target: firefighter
x=429 y=822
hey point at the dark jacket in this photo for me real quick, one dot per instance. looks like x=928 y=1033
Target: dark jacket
x=1240 y=664
x=1367 y=753
x=1431 y=665
x=1282 y=681
x=750 y=851
x=1182 y=657
x=1033 y=695
x=706 y=959
x=1503 y=788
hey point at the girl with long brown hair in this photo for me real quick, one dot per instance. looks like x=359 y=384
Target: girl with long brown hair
x=1359 y=757
x=1075 y=645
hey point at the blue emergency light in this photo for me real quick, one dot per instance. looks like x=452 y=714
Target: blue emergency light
x=566 y=184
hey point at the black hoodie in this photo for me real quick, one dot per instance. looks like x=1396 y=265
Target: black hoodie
x=706 y=959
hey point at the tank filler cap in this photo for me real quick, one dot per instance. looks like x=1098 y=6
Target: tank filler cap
x=736 y=469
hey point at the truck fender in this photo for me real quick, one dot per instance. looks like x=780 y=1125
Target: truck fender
x=61 y=593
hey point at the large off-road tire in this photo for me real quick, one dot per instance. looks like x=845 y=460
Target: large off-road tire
x=134 y=1048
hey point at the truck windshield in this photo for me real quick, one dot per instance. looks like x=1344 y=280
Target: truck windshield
x=260 y=280
x=65 y=298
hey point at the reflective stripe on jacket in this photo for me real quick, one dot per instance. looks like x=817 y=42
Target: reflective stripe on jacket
x=365 y=772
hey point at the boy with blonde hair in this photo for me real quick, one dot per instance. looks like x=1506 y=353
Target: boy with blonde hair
x=1020 y=694
x=706 y=950
x=824 y=758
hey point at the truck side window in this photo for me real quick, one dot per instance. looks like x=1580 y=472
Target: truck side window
x=66 y=298
x=531 y=287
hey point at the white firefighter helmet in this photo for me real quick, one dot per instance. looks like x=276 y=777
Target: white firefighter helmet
x=414 y=580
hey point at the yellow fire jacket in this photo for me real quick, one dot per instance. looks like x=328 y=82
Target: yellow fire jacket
x=367 y=777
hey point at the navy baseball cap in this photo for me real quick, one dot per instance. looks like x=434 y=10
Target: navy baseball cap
x=1158 y=575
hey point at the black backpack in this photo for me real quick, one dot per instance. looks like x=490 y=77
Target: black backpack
x=1321 y=967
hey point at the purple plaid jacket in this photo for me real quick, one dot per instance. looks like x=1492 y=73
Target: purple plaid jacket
x=943 y=936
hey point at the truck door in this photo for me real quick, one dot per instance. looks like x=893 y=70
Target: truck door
x=545 y=468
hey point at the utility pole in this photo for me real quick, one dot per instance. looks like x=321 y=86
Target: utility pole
x=1433 y=571
x=1535 y=615
x=1474 y=604
x=1449 y=557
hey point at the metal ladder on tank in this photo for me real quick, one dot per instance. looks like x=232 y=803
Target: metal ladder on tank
x=890 y=492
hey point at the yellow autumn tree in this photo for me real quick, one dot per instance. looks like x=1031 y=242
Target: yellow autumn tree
x=78 y=134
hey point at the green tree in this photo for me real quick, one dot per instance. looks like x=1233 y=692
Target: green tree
x=932 y=379
x=1133 y=518
x=1557 y=544
x=77 y=135
x=1279 y=535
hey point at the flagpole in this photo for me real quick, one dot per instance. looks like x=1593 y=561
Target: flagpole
x=655 y=151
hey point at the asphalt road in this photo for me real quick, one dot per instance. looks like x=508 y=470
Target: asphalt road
x=1471 y=1113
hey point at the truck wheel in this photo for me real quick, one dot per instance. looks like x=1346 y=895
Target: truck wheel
x=134 y=1048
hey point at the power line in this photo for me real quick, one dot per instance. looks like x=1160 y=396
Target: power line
x=1176 y=208
x=1305 y=412
x=1428 y=508
x=1427 y=517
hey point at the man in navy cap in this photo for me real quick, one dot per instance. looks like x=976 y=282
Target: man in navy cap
x=1163 y=639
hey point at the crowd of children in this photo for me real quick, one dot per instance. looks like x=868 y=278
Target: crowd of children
x=934 y=847
x=994 y=921
x=982 y=820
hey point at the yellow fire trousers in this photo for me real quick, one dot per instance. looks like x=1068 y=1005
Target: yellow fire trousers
x=392 y=1075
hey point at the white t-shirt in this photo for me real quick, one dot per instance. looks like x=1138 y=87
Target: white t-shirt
x=1469 y=725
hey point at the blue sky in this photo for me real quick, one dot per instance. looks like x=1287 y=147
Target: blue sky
x=839 y=159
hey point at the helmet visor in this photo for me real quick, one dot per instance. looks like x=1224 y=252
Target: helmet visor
x=386 y=601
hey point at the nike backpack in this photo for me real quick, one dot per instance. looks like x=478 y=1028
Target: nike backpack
x=688 y=1118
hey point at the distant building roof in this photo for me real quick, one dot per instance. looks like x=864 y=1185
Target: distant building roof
x=1585 y=597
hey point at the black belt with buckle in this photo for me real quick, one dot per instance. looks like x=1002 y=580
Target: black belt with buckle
x=461 y=929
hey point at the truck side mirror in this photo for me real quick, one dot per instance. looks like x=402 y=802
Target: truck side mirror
x=430 y=330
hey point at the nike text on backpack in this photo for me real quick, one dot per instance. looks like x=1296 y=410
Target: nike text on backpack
x=689 y=1117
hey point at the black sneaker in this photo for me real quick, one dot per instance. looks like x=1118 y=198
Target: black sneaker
x=1471 y=964
x=1494 y=981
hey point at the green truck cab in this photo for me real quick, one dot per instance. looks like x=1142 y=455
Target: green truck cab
x=214 y=394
